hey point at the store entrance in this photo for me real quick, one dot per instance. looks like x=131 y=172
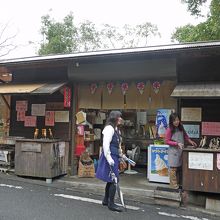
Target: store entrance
x=138 y=131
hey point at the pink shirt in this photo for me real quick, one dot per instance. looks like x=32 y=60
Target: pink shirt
x=168 y=139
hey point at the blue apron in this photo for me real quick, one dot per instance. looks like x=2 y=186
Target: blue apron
x=103 y=169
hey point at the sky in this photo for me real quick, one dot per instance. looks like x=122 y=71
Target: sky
x=24 y=18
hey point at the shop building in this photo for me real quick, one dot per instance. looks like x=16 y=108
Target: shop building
x=136 y=81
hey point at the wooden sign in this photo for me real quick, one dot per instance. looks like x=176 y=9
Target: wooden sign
x=54 y=106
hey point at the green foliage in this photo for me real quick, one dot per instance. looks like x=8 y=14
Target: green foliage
x=67 y=37
x=205 y=31
x=58 y=37
x=194 y=6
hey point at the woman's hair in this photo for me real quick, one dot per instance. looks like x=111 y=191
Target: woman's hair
x=113 y=118
x=172 y=118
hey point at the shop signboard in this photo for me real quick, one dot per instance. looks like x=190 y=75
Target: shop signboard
x=158 y=163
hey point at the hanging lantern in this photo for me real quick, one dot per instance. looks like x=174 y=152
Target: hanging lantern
x=140 y=86
x=156 y=86
x=93 y=88
x=110 y=87
x=124 y=88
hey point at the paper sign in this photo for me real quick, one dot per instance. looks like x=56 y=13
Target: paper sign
x=38 y=109
x=49 y=118
x=61 y=116
x=191 y=114
x=200 y=161
x=211 y=128
x=30 y=121
x=21 y=106
x=218 y=161
x=20 y=115
x=192 y=130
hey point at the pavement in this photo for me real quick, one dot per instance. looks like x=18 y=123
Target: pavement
x=135 y=187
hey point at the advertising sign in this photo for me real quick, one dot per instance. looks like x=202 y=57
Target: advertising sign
x=158 y=163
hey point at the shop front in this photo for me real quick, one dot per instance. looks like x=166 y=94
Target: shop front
x=37 y=140
x=198 y=92
x=138 y=96
x=138 y=82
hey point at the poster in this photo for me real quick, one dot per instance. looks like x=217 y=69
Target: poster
x=38 y=109
x=30 y=121
x=162 y=121
x=20 y=115
x=192 y=130
x=191 y=114
x=49 y=118
x=158 y=163
x=211 y=128
x=21 y=106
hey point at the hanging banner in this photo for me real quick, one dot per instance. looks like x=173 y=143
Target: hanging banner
x=110 y=87
x=140 y=86
x=67 y=96
x=93 y=88
x=124 y=88
x=156 y=86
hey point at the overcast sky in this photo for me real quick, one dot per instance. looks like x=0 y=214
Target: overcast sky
x=24 y=17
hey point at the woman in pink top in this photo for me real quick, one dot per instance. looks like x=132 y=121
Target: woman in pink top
x=176 y=137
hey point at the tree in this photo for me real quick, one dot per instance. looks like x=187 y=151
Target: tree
x=67 y=37
x=58 y=37
x=128 y=36
x=205 y=31
x=194 y=6
x=6 y=40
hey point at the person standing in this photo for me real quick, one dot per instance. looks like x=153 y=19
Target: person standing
x=176 y=137
x=109 y=157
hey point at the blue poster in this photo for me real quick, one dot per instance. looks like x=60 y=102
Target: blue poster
x=162 y=121
x=192 y=130
x=159 y=160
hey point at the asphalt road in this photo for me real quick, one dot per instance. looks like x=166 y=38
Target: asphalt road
x=29 y=201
